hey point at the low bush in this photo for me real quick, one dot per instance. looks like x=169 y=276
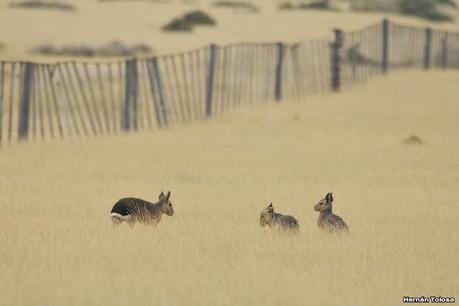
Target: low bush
x=188 y=21
x=238 y=5
x=114 y=48
x=413 y=140
x=317 y=5
x=198 y=18
x=374 y=5
x=38 y=4
x=179 y=25
x=435 y=10
x=428 y=9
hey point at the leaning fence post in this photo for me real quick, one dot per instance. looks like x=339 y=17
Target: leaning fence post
x=130 y=97
x=278 y=77
x=385 y=46
x=24 y=106
x=336 y=60
x=427 y=47
x=210 y=79
x=444 y=51
x=159 y=88
x=2 y=81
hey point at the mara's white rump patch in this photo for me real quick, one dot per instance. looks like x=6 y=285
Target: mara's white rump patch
x=119 y=217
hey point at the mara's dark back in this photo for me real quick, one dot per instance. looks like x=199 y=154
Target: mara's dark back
x=130 y=206
x=288 y=222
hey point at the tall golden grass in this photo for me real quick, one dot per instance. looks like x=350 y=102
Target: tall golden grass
x=58 y=246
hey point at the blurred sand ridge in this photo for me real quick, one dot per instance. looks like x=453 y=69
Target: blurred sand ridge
x=97 y=23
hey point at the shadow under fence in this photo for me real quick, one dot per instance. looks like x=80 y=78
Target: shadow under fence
x=73 y=99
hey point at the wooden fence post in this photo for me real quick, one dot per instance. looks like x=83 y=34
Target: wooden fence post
x=24 y=106
x=2 y=81
x=160 y=92
x=210 y=79
x=385 y=46
x=336 y=46
x=427 y=47
x=278 y=76
x=444 y=51
x=128 y=118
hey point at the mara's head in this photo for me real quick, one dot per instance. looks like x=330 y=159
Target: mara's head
x=166 y=204
x=325 y=204
x=266 y=216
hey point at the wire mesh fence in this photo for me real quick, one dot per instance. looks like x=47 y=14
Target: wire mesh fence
x=71 y=99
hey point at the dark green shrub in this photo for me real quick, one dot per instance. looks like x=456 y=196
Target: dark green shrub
x=186 y=23
x=317 y=5
x=114 y=48
x=198 y=18
x=413 y=140
x=375 y=5
x=238 y=5
x=178 y=25
x=320 y=4
x=38 y=4
x=428 y=9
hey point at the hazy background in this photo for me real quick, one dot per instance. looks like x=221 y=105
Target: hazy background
x=95 y=23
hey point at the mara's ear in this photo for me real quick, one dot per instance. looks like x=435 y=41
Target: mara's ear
x=161 y=195
x=168 y=195
x=329 y=197
x=270 y=207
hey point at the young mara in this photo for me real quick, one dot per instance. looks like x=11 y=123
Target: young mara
x=328 y=221
x=281 y=222
x=134 y=210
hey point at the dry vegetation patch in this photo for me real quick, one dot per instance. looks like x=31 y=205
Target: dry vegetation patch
x=413 y=140
x=435 y=10
x=115 y=48
x=240 y=5
x=47 y=5
x=319 y=5
x=374 y=5
x=188 y=21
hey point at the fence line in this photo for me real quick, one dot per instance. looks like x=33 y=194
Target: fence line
x=73 y=99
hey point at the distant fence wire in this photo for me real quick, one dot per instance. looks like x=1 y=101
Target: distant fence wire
x=80 y=99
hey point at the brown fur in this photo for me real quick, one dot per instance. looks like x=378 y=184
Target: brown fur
x=278 y=221
x=327 y=220
x=134 y=210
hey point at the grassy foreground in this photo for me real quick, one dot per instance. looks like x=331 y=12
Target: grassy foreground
x=58 y=247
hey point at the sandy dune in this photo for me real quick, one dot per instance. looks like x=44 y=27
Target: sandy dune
x=97 y=23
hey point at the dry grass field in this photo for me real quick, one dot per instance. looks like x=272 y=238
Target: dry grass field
x=58 y=246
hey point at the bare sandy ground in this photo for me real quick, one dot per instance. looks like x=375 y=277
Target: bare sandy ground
x=58 y=246
x=97 y=23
